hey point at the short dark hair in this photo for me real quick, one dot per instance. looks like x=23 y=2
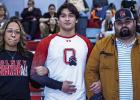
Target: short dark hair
x=70 y=7
x=51 y=5
x=31 y=1
x=97 y=5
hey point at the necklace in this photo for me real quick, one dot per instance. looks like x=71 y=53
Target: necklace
x=12 y=55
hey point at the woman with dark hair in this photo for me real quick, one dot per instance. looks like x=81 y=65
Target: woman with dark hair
x=107 y=27
x=15 y=62
x=112 y=7
x=48 y=22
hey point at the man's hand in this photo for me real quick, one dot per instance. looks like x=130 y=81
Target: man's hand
x=68 y=88
x=95 y=87
x=52 y=21
x=42 y=70
x=30 y=9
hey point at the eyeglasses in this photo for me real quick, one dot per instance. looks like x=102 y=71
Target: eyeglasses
x=13 y=31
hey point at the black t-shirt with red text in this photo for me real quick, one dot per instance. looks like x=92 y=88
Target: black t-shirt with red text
x=14 y=75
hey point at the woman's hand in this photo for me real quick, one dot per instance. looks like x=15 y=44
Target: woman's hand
x=42 y=70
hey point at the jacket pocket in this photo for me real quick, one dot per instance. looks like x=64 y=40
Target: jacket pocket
x=106 y=61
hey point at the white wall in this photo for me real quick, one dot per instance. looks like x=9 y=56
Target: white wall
x=13 y=5
x=43 y=4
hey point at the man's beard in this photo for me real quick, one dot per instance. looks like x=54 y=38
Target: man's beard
x=125 y=32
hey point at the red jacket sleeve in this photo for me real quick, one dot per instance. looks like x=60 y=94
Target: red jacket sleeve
x=39 y=59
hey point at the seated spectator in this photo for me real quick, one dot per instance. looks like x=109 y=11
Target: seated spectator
x=94 y=12
x=107 y=27
x=130 y=4
x=31 y=16
x=3 y=15
x=82 y=8
x=48 y=23
x=98 y=12
x=113 y=8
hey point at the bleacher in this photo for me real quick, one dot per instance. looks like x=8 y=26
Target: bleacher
x=93 y=29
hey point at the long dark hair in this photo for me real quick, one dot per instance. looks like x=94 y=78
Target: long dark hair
x=21 y=44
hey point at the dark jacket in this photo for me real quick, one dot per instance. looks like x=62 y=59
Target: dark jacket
x=29 y=15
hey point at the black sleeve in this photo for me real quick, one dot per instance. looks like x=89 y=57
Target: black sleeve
x=41 y=81
x=35 y=84
x=29 y=57
x=46 y=81
x=25 y=13
x=46 y=15
x=38 y=13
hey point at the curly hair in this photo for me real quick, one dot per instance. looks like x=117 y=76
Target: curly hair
x=21 y=44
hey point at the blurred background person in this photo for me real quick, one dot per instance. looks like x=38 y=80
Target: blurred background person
x=95 y=11
x=30 y=20
x=48 y=22
x=130 y=4
x=107 y=27
x=138 y=19
x=83 y=8
x=98 y=12
x=3 y=15
x=112 y=7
